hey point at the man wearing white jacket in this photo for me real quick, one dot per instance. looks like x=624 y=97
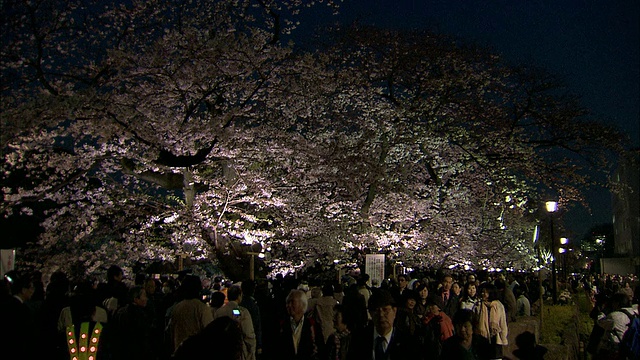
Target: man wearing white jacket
x=615 y=323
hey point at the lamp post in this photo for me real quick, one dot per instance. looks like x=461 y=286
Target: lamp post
x=536 y=236
x=564 y=242
x=552 y=206
x=600 y=243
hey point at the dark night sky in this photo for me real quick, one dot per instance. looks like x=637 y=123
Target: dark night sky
x=593 y=44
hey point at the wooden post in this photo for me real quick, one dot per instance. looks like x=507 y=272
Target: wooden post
x=181 y=258
x=252 y=275
x=395 y=265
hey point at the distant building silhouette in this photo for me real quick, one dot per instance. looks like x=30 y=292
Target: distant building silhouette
x=626 y=211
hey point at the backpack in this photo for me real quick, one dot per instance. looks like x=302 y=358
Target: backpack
x=630 y=342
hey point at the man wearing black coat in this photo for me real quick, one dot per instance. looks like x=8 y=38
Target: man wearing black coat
x=17 y=318
x=131 y=328
x=450 y=301
x=381 y=340
x=298 y=334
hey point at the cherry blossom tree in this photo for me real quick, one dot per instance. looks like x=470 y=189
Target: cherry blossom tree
x=129 y=123
x=145 y=131
x=444 y=149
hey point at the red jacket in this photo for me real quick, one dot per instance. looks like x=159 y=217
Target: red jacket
x=446 y=325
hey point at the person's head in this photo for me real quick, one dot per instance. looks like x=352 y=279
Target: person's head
x=139 y=279
x=382 y=308
x=526 y=341
x=455 y=287
x=471 y=278
x=338 y=318
x=248 y=287
x=403 y=281
x=305 y=288
x=463 y=323
x=415 y=283
x=168 y=287
x=410 y=299
x=150 y=286
x=191 y=287
x=59 y=285
x=500 y=284
x=115 y=273
x=58 y=276
x=518 y=291
x=470 y=290
x=447 y=282
x=82 y=302
x=138 y=296
x=620 y=300
x=488 y=292
x=435 y=305
x=234 y=293
x=327 y=290
x=423 y=292
x=22 y=286
x=316 y=293
x=217 y=299
x=296 y=304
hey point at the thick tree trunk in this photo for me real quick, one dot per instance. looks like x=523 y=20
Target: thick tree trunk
x=373 y=187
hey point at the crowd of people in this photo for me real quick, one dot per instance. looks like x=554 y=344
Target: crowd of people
x=453 y=315
x=615 y=306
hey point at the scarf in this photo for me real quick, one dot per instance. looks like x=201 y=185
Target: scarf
x=493 y=317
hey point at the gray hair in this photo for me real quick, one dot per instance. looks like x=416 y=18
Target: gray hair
x=301 y=295
x=316 y=292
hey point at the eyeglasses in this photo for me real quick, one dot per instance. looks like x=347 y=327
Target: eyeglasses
x=385 y=310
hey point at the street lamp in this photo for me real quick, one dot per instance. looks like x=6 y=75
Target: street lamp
x=552 y=206
x=564 y=242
